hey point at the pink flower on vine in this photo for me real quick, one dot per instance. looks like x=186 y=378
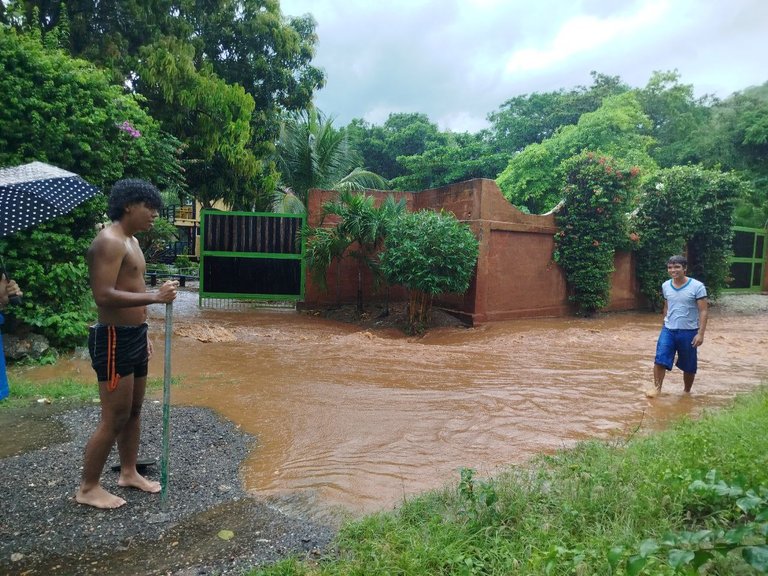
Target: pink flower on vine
x=128 y=127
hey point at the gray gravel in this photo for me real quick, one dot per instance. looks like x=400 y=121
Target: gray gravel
x=44 y=531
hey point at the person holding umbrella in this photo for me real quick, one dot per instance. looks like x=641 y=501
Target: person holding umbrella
x=9 y=291
x=119 y=344
x=31 y=194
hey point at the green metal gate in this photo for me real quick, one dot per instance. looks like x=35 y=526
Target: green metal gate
x=251 y=256
x=748 y=260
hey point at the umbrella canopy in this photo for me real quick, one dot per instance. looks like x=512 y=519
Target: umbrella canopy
x=33 y=193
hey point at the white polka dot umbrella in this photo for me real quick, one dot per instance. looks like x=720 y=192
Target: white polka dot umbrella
x=33 y=193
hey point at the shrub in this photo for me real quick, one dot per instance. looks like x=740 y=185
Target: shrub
x=685 y=207
x=429 y=253
x=593 y=225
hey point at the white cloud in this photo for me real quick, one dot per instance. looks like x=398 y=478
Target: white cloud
x=459 y=60
x=584 y=33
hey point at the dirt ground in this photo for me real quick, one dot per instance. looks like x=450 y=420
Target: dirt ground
x=395 y=315
x=381 y=316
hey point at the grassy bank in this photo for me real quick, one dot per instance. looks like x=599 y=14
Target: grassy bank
x=24 y=392
x=693 y=497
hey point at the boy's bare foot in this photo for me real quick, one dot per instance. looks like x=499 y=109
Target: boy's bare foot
x=99 y=498
x=139 y=482
x=652 y=392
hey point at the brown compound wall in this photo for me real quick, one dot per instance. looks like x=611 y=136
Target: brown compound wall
x=515 y=276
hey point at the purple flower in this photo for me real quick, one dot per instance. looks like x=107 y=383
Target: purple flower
x=128 y=127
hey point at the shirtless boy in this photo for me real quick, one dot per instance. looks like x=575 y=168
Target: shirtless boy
x=119 y=345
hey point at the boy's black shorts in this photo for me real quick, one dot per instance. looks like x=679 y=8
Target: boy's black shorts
x=118 y=351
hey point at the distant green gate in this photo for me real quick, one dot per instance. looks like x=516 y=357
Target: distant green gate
x=251 y=256
x=748 y=260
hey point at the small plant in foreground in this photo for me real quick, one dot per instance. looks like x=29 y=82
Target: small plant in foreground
x=687 y=551
x=478 y=496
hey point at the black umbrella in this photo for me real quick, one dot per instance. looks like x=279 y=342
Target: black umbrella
x=35 y=192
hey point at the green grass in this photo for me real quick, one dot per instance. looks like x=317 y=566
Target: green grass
x=24 y=392
x=620 y=508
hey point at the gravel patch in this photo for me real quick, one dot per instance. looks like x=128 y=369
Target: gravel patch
x=43 y=530
x=741 y=304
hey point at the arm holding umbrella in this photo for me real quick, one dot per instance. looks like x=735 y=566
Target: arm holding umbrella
x=10 y=293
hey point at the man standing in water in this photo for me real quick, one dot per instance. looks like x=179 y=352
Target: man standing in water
x=685 y=320
x=119 y=344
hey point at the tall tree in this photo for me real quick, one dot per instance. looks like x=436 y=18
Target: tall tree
x=532 y=118
x=209 y=47
x=401 y=135
x=619 y=128
x=463 y=157
x=736 y=138
x=675 y=115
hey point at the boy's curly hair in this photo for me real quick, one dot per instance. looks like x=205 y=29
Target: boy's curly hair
x=132 y=191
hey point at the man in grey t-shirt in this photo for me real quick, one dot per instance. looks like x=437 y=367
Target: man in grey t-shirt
x=685 y=320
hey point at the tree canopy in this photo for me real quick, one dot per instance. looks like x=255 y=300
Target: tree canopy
x=619 y=128
x=217 y=75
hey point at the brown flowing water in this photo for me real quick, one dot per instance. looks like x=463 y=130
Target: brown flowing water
x=353 y=420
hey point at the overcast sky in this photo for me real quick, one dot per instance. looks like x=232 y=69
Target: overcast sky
x=459 y=60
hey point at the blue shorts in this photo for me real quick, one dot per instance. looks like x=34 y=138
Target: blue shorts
x=680 y=342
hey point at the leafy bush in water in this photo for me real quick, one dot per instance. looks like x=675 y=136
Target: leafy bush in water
x=429 y=253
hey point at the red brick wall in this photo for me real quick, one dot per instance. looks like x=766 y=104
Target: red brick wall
x=515 y=275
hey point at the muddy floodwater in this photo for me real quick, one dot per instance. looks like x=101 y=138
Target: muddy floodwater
x=352 y=420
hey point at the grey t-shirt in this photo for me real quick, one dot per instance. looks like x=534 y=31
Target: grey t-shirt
x=682 y=307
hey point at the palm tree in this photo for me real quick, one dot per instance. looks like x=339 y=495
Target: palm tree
x=360 y=233
x=312 y=154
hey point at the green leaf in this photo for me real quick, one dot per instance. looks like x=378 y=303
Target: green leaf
x=635 y=565
x=648 y=547
x=678 y=558
x=226 y=535
x=614 y=556
x=757 y=557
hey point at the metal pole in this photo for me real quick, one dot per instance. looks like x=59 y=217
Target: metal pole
x=166 y=408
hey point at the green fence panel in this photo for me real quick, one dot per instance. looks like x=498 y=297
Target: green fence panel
x=251 y=256
x=748 y=261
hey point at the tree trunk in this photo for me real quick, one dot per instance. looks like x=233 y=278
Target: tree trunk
x=419 y=310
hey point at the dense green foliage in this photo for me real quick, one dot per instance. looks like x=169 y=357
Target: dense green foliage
x=534 y=177
x=76 y=119
x=639 y=506
x=400 y=135
x=532 y=118
x=593 y=226
x=358 y=233
x=685 y=206
x=217 y=75
x=429 y=253
x=736 y=138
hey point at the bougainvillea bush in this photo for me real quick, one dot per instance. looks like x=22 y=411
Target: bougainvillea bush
x=593 y=225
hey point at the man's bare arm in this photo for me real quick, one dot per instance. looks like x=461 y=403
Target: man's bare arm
x=703 y=305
